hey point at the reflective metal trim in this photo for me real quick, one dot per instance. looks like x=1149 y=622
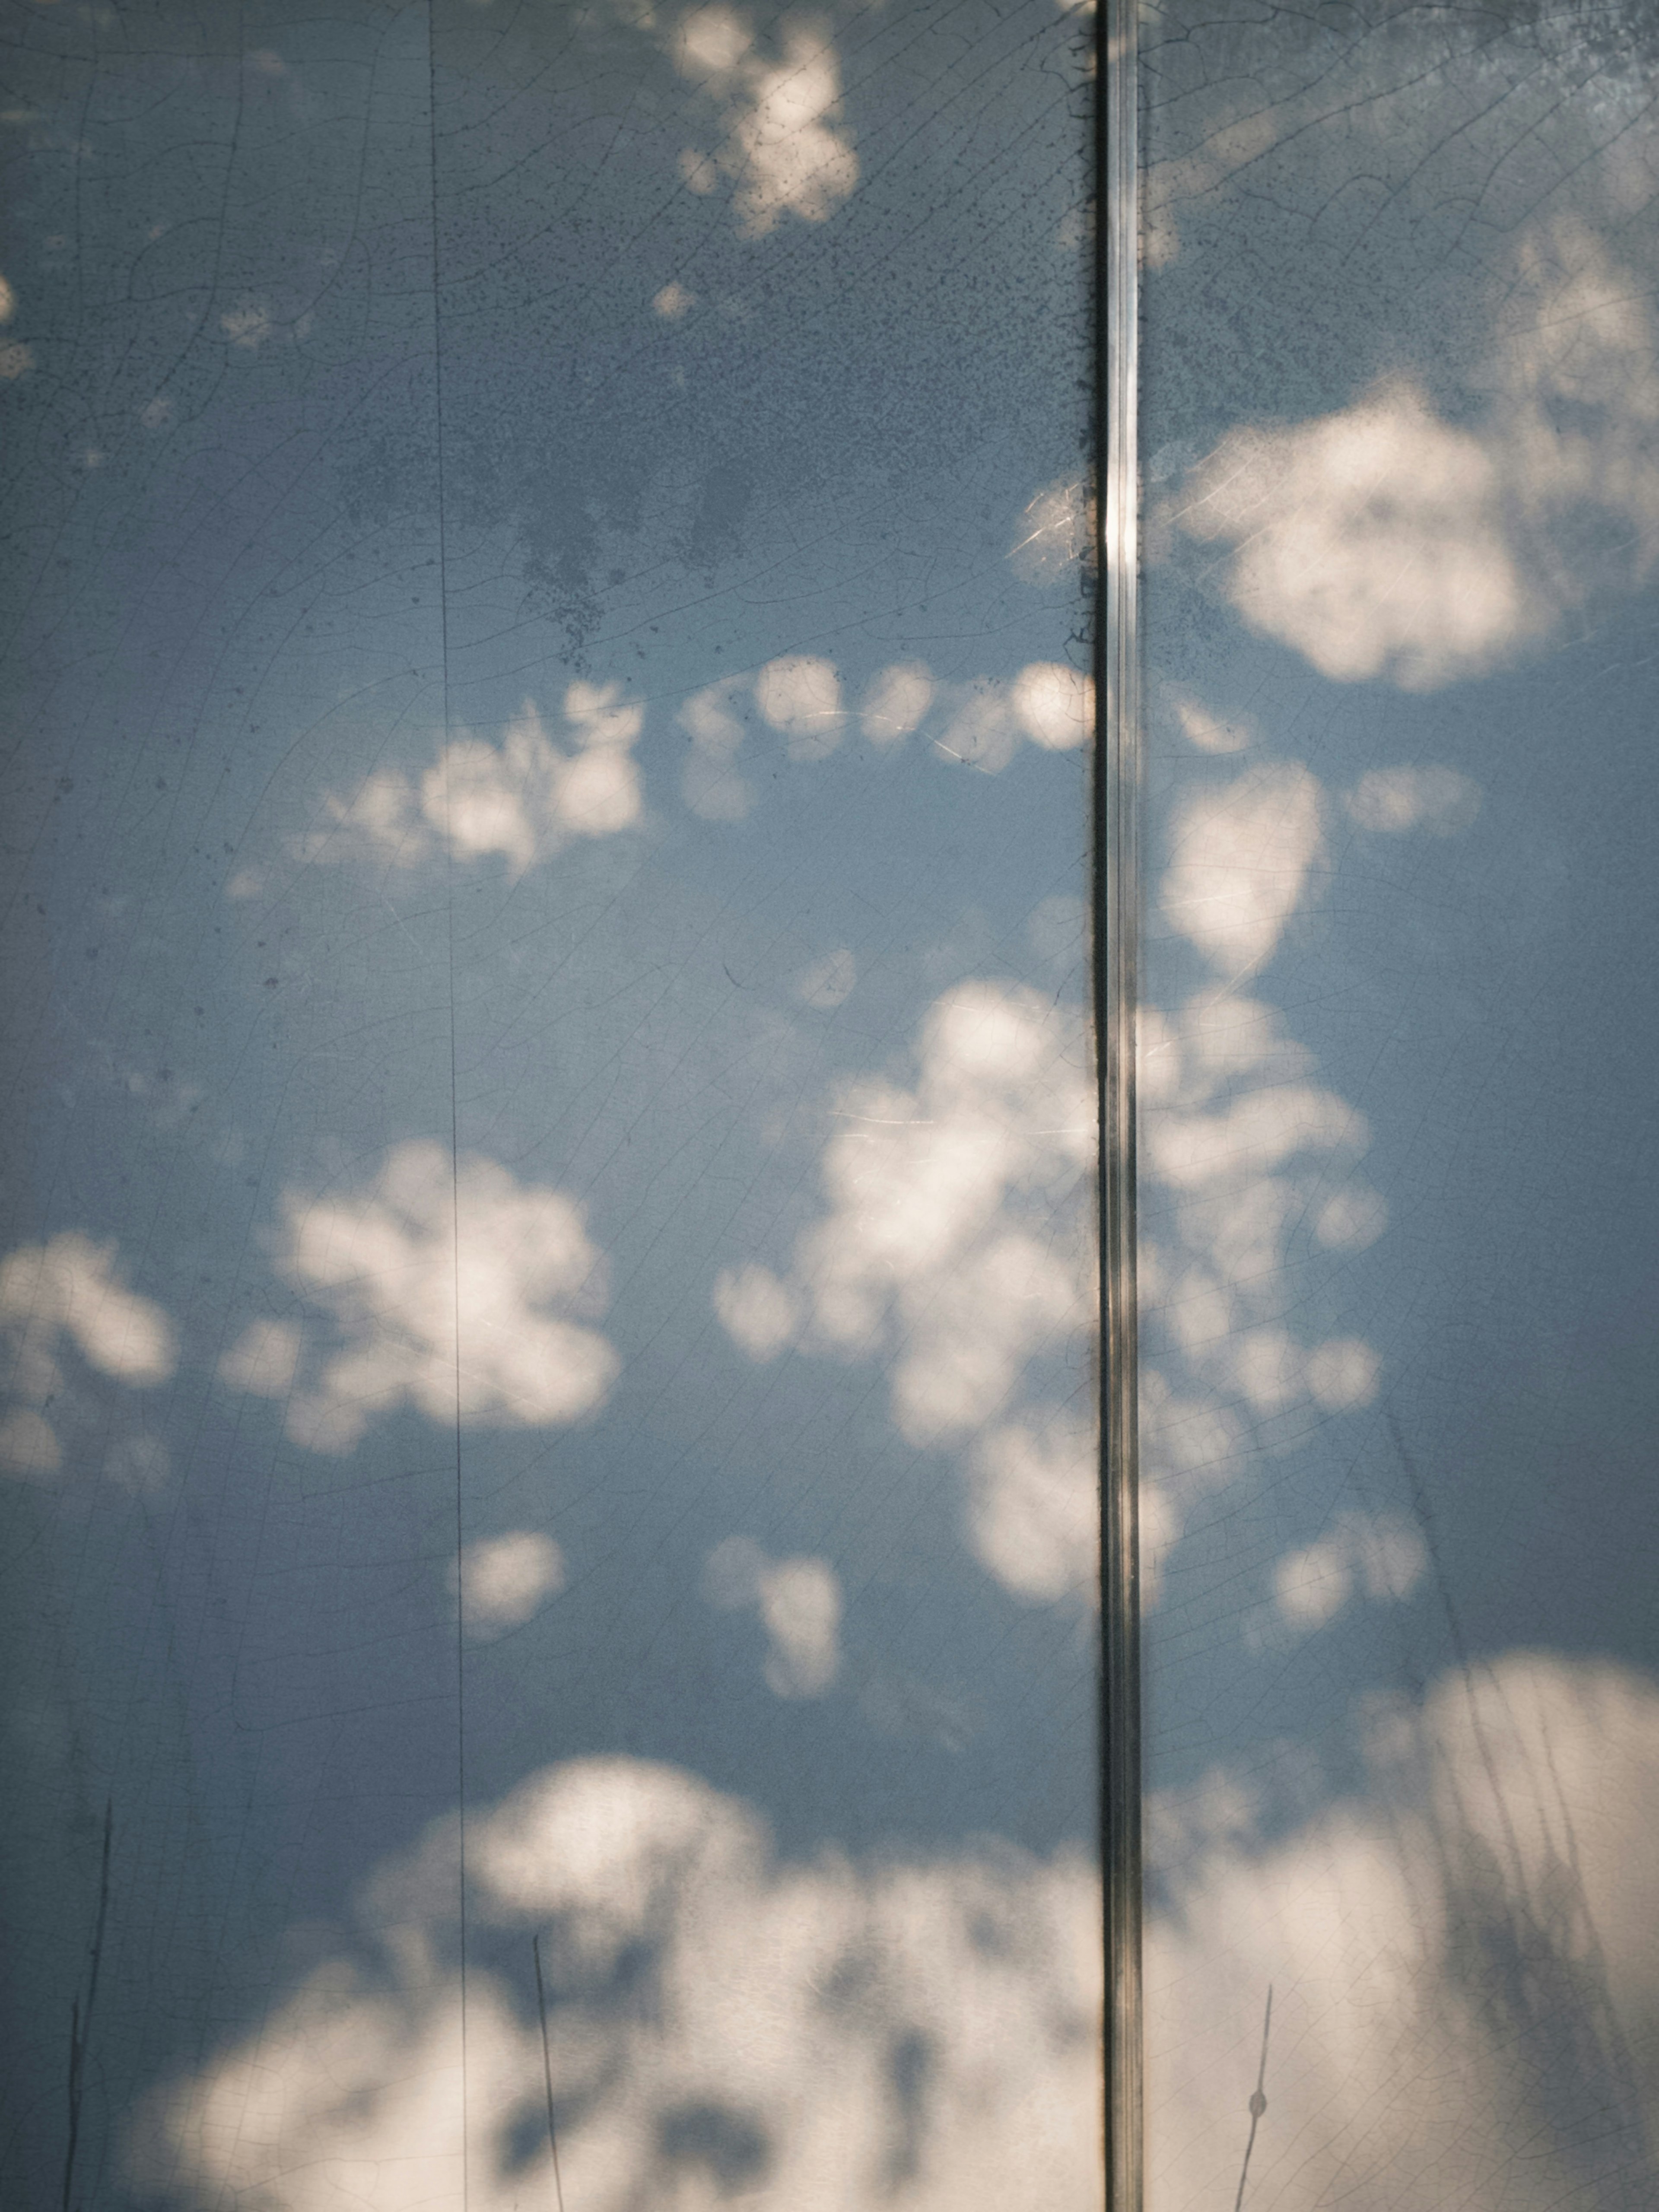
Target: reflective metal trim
x=1117 y=930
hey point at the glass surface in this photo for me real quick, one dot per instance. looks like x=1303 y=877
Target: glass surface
x=547 y=1281
x=1399 y=1067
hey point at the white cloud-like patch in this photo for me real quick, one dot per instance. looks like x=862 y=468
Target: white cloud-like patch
x=1384 y=541
x=673 y=301
x=711 y=783
x=798 y=1603
x=501 y=1581
x=384 y=1263
x=828 y=982
x=1439 y=800
x=1351 y=1219
x=15 y=359
x=1206 y=731
x=1371 y=540
x=799 y=695
x=1053 y=704
x=958 y=1248
x=70 y=1290
x=921 y=2032
x=983 y=731
x=785 y=146
x=1375 y=1554
x=756 y=1311
x=1034 y=1511
x=1241 y=857
x=1239 y=1152
x=1047 y=704
x=265 y=1359
x=895 y=702
x=1464 y=1961
x=947 y=1244
x=526 y=797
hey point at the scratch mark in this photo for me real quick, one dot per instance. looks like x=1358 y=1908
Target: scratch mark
x=547 y=2071
x=81 y=2022
x=1258 y=2101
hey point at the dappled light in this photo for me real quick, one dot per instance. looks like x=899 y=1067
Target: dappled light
x=1241 y=855
x=389 y=1263
x=501 y=1581
x=785 y=148
x=798 y=1603
x=524 y=799
x=68 y=1292
x=1384 y=540
x=1462 y=1958
x=956 y=1249
x=982 y=724
x=918 y=2032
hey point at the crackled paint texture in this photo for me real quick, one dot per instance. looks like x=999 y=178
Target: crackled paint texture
x=1399 y=1060
x=546 y=1409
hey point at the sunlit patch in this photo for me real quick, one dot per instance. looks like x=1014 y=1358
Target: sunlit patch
x=28 y=1443
x=1392 y=799
x=1206 y=730
x=1049 y=704
x=673 y=301
x=711 y=783
x=1351 y=1219
x=1381 y=1557
x=758 y=1313
x=1034 y=1515
x=958 y=1248
x=982 y=724
x=388 y=1264
x=1231 y=146
x=15 y=358
x=828 y=982
x=1053 y=705
x=1463 y=1955
x=524 y=798
x=1241 y=855
x=501 y=1581
x=799 y=695
x=799 y=1604
x=1384 y=541
x=719 y=2023
x=897 y=702
x=785 y=146
x=70 y=1290
x=1240 y=1153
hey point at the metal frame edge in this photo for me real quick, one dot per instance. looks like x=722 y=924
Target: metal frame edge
x=1117 y=782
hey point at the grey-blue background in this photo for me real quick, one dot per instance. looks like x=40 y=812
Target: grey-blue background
x=346 y=422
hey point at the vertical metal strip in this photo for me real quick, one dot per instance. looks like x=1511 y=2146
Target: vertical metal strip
x=1118 y=933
